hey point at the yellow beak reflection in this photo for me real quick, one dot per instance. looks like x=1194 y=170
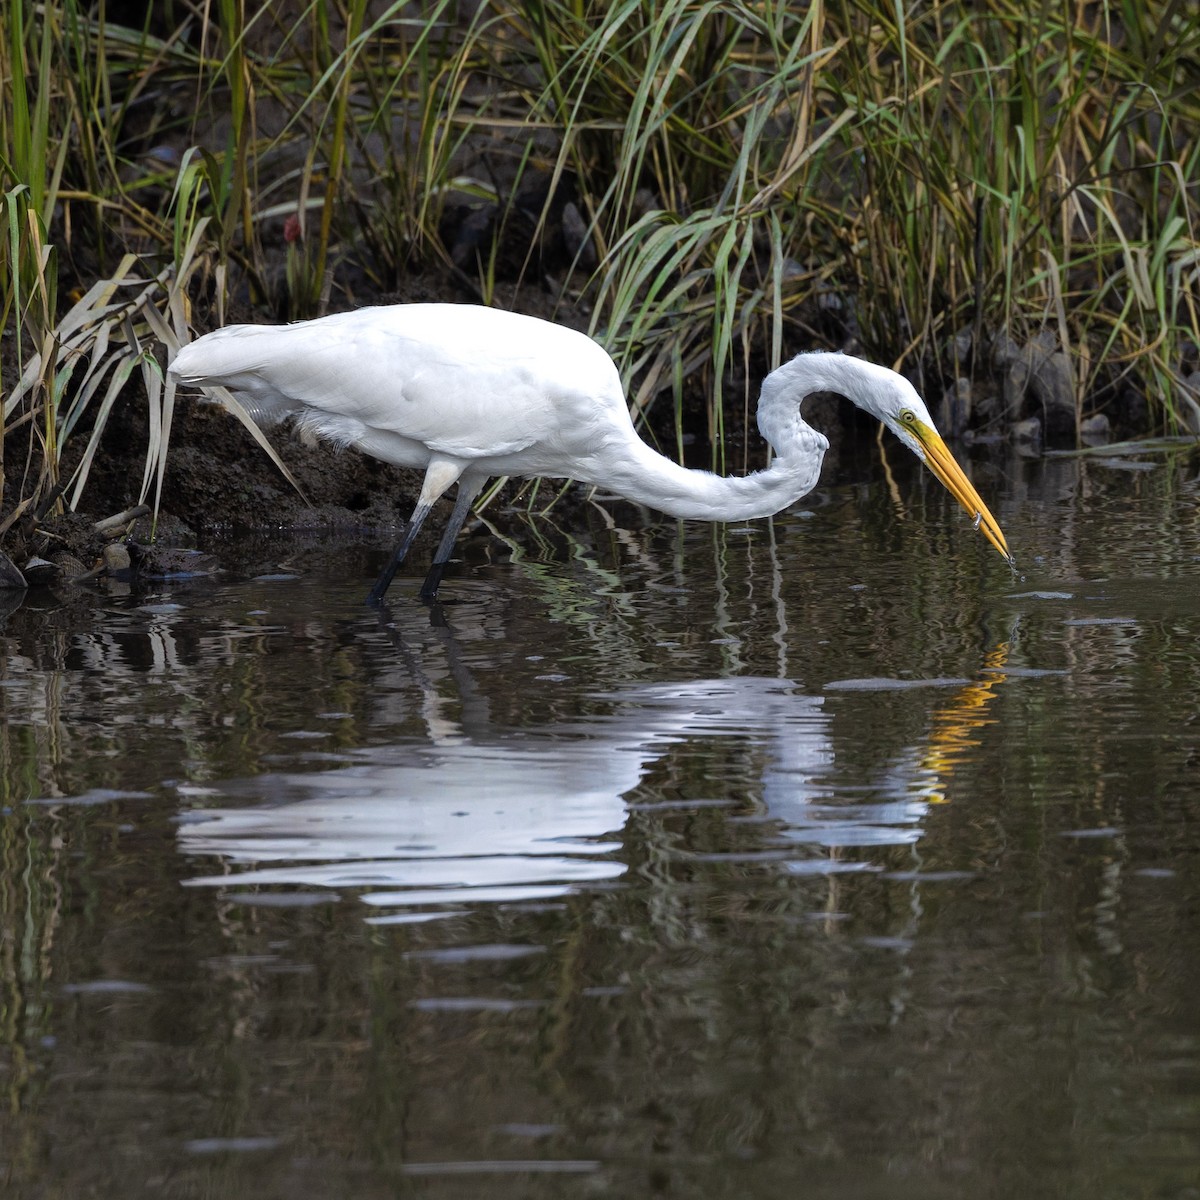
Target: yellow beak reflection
x=941 y=462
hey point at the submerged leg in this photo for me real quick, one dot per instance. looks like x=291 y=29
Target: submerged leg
x=468 y=489
x=439 y=475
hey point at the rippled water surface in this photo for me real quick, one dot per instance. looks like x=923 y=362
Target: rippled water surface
x=823 y=857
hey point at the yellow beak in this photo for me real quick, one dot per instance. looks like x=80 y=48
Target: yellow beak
x=941 y=462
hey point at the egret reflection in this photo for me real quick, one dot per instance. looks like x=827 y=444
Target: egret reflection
x=508 y=815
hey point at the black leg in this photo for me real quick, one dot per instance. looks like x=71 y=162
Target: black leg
x=433 y=581
x=389 y=572
x=468 y=489
x=439 y=475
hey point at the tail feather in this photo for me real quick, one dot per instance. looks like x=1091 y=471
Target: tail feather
x=236 y=358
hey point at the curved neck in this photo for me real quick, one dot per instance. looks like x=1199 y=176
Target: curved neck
x=785 y=388
x=647 y=477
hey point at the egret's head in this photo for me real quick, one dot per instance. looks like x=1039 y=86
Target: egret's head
x=887 y=396
x=897 y=404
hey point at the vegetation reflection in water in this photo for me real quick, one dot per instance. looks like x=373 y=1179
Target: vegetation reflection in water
x=841 y=854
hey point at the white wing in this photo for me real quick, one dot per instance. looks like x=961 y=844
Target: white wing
x=459 y=380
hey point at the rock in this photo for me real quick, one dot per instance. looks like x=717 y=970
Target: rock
x=1004 y=351
x=954 y=409
x=793 y=269
x=167 y=562
x=39 y=572
x=70 y=566
x=1027 y=432
x=10 y=577
x=830 y=301
x=117 y=563
x=1095 y=430
x=958 y=347
x=1042 y=371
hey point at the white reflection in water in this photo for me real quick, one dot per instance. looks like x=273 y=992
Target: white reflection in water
x=534 y=816
x=458 y=817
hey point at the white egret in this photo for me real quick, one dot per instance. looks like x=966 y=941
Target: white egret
x=467 y=392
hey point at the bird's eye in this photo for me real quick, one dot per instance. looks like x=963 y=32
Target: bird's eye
x=908 y=416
